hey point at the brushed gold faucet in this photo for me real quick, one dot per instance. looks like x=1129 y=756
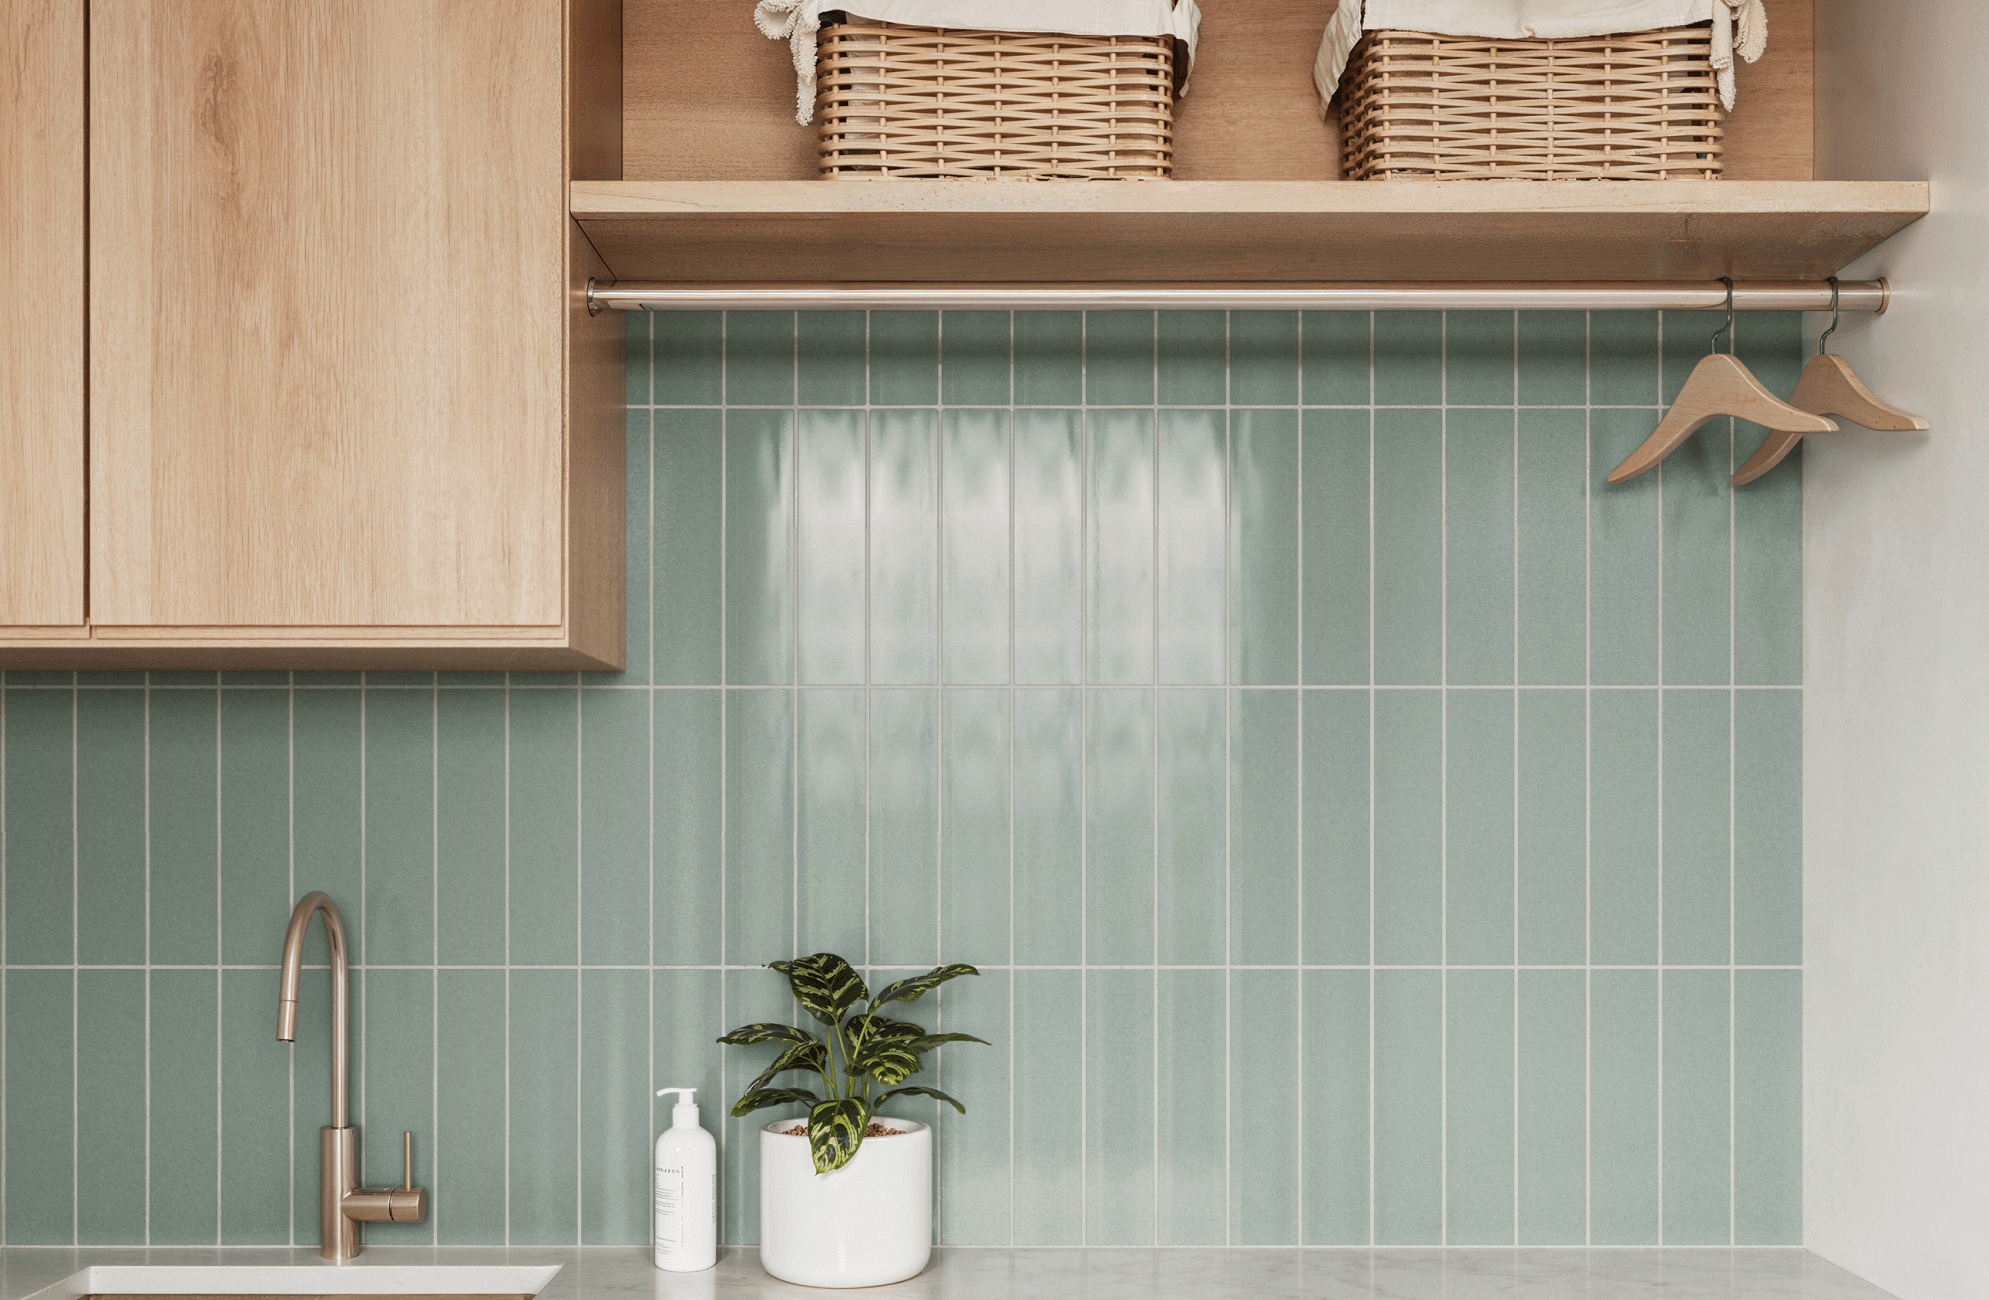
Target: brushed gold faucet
x=342 y=1203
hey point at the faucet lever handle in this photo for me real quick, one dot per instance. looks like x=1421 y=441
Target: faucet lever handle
x=407 y=1160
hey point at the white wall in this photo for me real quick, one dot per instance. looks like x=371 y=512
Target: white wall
x=1896 y=750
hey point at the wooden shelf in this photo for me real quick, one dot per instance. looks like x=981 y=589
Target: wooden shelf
x=801 y=232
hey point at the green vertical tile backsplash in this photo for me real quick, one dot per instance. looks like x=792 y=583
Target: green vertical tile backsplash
x=1331 y=775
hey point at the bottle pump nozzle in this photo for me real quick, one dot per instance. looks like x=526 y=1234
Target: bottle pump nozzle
x=685 y=1112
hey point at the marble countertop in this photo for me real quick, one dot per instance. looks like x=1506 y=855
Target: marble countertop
x=1094 y=1273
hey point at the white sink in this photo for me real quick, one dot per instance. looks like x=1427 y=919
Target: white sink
x=301 y=1280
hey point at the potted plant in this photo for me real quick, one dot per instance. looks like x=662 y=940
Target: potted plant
x=845 y=1200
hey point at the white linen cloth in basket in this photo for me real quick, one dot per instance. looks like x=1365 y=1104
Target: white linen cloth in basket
x=1739 y=27
x=797 y=21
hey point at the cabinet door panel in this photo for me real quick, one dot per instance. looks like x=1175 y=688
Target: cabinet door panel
x=41 y=314
x=326 y=285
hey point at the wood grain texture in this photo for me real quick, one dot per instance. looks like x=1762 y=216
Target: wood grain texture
x=706 y=97
x=41 y=313
x=1771 y=133
x=940 y=231
x=594 y=90
x=597 y=456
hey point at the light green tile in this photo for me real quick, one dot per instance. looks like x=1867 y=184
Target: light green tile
x=904 y=828
x=41 y=1115
x=1335 y=1144
x=370 y=678
x=1120 y=546
x=1048 y=1117
x=310 y=1095
x=1771 y=343
x=1408 y=547
x=183 y=840
x=1119 y=818
x=469 y=816
x=1552 y=910
x=1553 y=358
x=1049 y=358
x=1698 y=1107
x=400 y=826
x=131 y=677
x=1335 y=351
x=1479 y=358
x=638 y=363
x=395 y=1073
x=759 y=826
x=183 y=1158
x=684 y=1021
x=543 y=1170
x=1049 y=546
x=615 y=746
x=615 y=1108
x=110 y=824
x=687 y=841
x=255 y=1114
x=1264 y=891
x=689 y=354
x=829 y=350
x=1118 y=358
x=973 y=1174
x=1193 y=348
x=1551 y=554
x=1049 y=827
x=1552 y=1108
x=1698 y=850
x=1408 y=1108
x=1768 y=828
x=544 y=816
x=904 y=358
x=41 y=814
x=974 y=364
x=1263 y=358
x=1119 y=1100
x=830 y=524
x=904 y=547
x=687 y=573
x=1191 y=808
x=1336 y=558
x=750 y=997
x=974 y=543
x=1768 y=570
x=1266 y=547
x=759 y=541
x=1623 y=358
x=1688 y=338
x=1408 y=827
x=470 y=1092
x=1767 y=1100
x=1624 y=765
x=1480 y=866
x=759 y=358
x=161 y=678
x=975 y=880
x=1698 y=558
x=1336 y=818
x=1480 y=1155
x=1191 y=1156
x=41 y=677
x=1264 y=1168
x=1479 y=541
x=327 y=815
x=1624 y=1105
x=829 y=820
x=1408 y=358
x=1191 y=540
x=110 y=1110
x=1625 y=558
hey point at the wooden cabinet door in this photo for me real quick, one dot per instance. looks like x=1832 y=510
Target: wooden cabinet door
x=327 y=289
x=41 y=318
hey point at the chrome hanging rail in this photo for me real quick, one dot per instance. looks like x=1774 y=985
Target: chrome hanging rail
x=1855 y=295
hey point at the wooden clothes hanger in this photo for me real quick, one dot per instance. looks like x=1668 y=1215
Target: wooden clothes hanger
x=1828 y=386
x=1719 y=385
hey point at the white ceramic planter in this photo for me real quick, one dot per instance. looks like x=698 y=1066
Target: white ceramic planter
x=866 y=1224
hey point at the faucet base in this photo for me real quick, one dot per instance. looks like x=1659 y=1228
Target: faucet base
x=338 y=1174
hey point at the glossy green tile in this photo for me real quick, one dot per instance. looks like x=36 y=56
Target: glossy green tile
x=1118 y=358
x=470 y=728
x=327 y=809
x=1048 y=1121
x=1479 y=358
x=829 y=823
x=183 y=1152
x=110 y=1111
x=1408 y=1108
x=400 y=826
x=685 y=1018
x=1266 y=547
x=1625 y=762
x=832 y=481
x=904 y=828
x=543 y=815
x=370 y=678
x=1335 y=1081
x=904 y=547
x=255 y=1114
x=470 y=1091
x=1480 y=863
x=1408 y=358
x=543 y=1166
x=1768 y=840
x=41 y=820
x=1480 y=1154
x=1119 y=824
x=1264 y=891
x=1623 y=358
x=110 y=825
x=615 y=746
x=1263 y=358
x=1048 y=592
x=310 y=1095
x=298 y=679
x=1767 y=1108
x=1625 y=560
x=1264 y=1169
x=759 y=541
x=973 y=1174
x=759 y=358
x=41 y=1115
x=1192 y=358
x=904 y=358
x=1192 y=817
x=1119 y=1100
x=749 y=997
x=687 y=836
x=688 y=356
x=1698 y=558
x=686 y=566
x=1480 y=569
x=1698 y=1107
x=759 y=826
x=975 y=881
x=638 y=362
x=1551 y=923
x=1624 y=1108
x=1120 y=546
x=136 y=677
x=395 y=1077
x=1336 y=816
x=1551 y=1147
x=1191 y=1155
x=40 y=677
x=1408 y=547
x=1698 y=846
x=158 y=677
x=1553 y=358
x=1191 y=534
x=1550 y=555
x=1768 y=571
x=615 y=1109
x=974 y=543
x=1049 y=828
x=1336 y=555
x=1049 y=358
x=829 y=358
x=1408 y=827
x=974 y=358
x=183 y=840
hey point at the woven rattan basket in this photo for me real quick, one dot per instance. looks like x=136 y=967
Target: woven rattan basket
x=1636 y=106
x=920 y=102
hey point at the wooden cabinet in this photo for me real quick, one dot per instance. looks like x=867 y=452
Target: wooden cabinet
x=346 y=405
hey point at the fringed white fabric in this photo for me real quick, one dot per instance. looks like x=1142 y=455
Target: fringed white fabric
x=796 y=21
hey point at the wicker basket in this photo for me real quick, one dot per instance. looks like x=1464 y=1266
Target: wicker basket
x=1636 y=106
x=921 y=102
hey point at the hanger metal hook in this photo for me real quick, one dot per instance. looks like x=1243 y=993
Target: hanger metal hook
x=1823 y=339
x=1727 y=280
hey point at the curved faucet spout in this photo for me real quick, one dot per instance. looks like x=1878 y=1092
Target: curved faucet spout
x=293 y=967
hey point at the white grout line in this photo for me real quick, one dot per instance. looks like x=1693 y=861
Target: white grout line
x=3 y=960
x=1371 y=910
x=1443 y=785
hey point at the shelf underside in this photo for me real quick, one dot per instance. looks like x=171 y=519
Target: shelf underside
x=801 y=232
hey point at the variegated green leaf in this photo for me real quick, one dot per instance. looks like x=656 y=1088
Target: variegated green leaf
x=810 y=1055
x=923 y=1092
x=860 y=1029
x=824 y=984
x=887 y=1060
x=911 y=990
x=747 y=1035
x=835 y=1131
x=927 y=1042
x=760 y=1100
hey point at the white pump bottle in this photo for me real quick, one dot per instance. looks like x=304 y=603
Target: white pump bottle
x=686 y=1190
